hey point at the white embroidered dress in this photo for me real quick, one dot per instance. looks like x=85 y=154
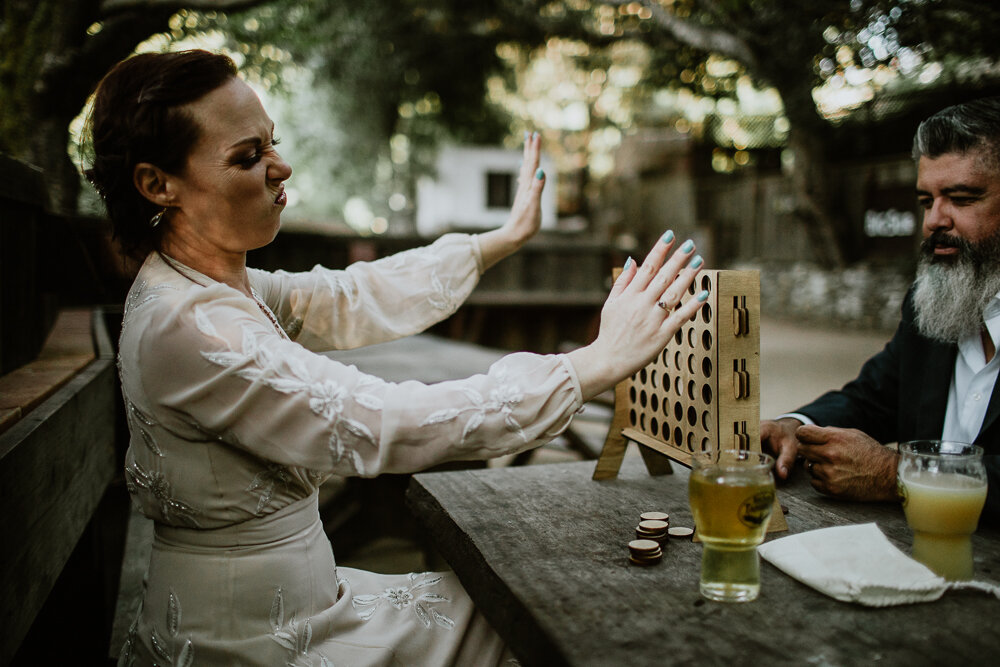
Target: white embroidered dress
x=235 y=422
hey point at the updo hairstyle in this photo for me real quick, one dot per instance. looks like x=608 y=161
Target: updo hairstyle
x=138 y=117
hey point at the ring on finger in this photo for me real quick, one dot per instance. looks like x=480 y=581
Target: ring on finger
x=809 y=467
x=663 y=305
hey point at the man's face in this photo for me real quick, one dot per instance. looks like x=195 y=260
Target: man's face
x=960 y=196
x=959 y=270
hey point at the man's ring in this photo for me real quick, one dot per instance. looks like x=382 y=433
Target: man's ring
x=809 y=467
x=662 y=305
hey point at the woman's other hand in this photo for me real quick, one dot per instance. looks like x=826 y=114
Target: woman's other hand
x=634 y=326
x=526 y=212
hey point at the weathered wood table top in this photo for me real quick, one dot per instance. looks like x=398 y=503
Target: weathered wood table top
x=542 y=551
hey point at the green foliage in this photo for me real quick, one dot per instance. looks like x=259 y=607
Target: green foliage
x=23 y=46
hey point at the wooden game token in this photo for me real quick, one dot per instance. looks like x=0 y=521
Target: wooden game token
x=654 y=526
x=643 y=546
x=643 y=563
x=680 y=531
x=654 y=516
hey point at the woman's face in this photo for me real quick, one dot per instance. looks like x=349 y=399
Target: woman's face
x=231 y=192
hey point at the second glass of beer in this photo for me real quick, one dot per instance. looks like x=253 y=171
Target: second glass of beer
x=731 y=492
x=943 y=485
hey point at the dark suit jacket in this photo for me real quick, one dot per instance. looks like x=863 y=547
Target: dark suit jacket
x=901 y=394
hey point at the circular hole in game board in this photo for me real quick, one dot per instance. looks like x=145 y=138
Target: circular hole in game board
x=642 y=421
x=654 y=426
x=705 y=444
x=666 y=409
x=678 y=337
x=654 y=402
x=642 y=398
x=678 y=437
x=705 y=424
x=690 y=389
x=706 y=367
x=678 y=411
x=677 y=386
x=690 y=442
x=692 y=416
x=691 y=288
x=706 y=313
x=666 y=358
x=691 y=337
x=666 y=382
x=677 y=360
x=631 y=417
x=631 y=394
x=706 y=394
x=706 y=340
x=691 y=363
x=652 y=379
x=706 y=283
x=642 y=376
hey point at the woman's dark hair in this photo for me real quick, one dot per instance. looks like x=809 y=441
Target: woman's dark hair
x=138 y=117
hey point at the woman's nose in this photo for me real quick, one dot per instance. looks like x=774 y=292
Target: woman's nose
x=278 y=170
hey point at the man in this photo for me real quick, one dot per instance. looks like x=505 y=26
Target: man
x=936 y=378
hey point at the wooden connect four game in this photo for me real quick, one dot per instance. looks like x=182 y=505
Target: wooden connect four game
x=702 y=391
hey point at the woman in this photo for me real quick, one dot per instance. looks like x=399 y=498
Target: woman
x=235 y=422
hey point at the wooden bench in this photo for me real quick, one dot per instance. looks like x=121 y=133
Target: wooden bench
x=57 y=458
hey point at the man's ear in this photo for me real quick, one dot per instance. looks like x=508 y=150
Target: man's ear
x=153 y=183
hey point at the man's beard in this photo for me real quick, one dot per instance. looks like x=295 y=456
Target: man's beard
x=951 y=292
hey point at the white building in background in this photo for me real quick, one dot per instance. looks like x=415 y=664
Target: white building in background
x=474 y=188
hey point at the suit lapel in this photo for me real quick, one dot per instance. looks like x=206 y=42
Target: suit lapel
x=931 y=397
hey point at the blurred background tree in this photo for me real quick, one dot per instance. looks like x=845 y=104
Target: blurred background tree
x=385 y=82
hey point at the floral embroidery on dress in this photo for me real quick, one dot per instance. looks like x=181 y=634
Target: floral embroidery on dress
x=294 y=636
x=137 y=420
x=502 y=399
x=274 y=475
x=162 y=647
x=136 y=478
x=401 y=598
x=257 y=363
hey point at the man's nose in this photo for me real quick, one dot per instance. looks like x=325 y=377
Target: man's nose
x=937 y=217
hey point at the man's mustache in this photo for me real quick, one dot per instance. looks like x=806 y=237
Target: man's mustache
x=941 y=239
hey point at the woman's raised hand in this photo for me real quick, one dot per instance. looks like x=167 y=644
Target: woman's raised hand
x=640 y=316
x=526 y=212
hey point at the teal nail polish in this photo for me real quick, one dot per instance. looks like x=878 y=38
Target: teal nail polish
x=534 y=135
x=703 y=296
x=526 y=135
x=696 y=262
x=539 y=174
x=668 y=236
x=688 y=246
x=628 y=264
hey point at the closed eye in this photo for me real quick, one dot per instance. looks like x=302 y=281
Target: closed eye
x=251 y=160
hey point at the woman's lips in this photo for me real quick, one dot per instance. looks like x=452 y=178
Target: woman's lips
x=282 y=198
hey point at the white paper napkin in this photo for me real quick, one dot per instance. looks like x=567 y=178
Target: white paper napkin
x=858 y=564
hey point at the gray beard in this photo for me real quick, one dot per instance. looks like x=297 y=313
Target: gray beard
x=950 y=296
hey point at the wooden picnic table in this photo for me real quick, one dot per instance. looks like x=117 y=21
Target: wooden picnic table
x=542 y=551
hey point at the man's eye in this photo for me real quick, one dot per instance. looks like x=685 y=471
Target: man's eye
x=925 y=202
x=963 y=201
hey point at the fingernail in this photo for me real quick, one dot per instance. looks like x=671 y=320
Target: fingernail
x=688 y=246
x=696 y=262
x=703 y=296
x=534 y=135
x=539 y=174
x=628 y=264
x=668 y=236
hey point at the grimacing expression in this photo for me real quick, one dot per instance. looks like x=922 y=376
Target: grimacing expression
x=231 y=192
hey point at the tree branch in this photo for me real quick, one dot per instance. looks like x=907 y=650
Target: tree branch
x=699 y=37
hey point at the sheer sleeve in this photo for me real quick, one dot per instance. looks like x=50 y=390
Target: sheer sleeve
x=211 y=361
x=373 y=302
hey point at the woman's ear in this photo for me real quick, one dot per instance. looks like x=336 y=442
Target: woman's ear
x=153 y=184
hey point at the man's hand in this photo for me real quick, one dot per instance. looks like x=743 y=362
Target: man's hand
x=847 y=463
x=778 y=438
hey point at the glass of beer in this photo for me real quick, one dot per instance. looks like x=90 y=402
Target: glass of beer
x=943 y=485
x=731 y=492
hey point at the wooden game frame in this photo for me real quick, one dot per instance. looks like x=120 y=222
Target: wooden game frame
x=702 y=392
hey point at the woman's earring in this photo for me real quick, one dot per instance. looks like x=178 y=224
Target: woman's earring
x=156 y=219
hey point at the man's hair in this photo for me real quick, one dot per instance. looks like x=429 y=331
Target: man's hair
x=972 y=126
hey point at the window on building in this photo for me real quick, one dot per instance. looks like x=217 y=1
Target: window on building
x=499 y=189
